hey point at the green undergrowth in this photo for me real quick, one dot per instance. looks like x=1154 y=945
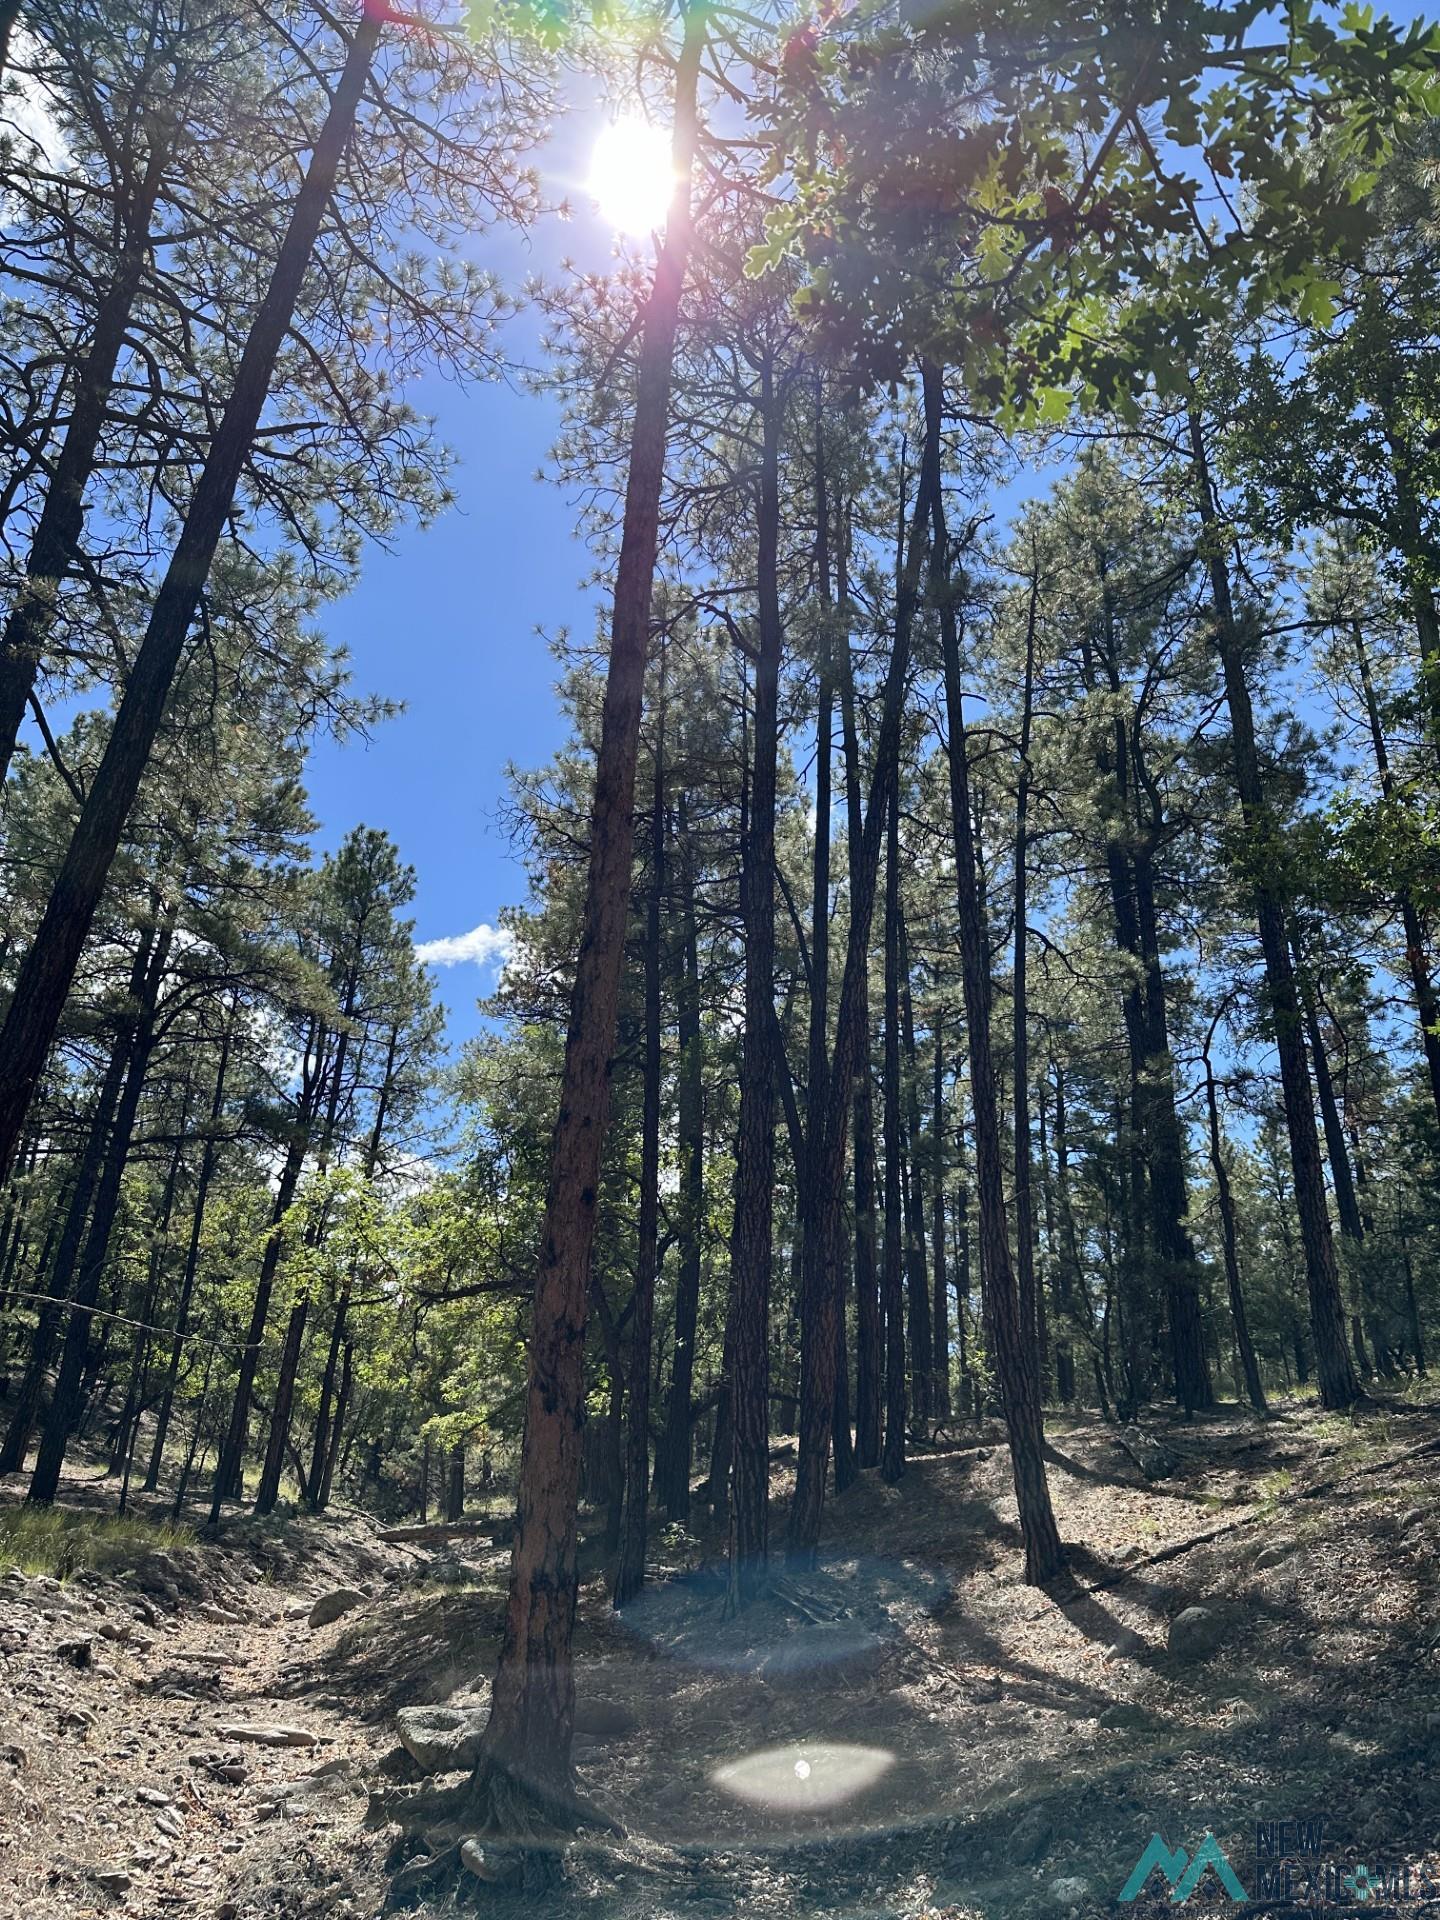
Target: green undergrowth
x=60 y=1541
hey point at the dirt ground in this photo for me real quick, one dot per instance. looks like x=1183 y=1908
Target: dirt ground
x=908 y=1731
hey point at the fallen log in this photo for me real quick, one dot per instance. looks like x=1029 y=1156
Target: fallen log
x=498 y=1532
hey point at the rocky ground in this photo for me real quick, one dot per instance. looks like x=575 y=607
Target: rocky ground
x=1251 y=1633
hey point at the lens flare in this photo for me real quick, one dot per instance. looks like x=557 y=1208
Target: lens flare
x=809 y=1777
x=631 y=176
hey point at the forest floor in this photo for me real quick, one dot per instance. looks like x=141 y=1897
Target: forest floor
x=909 y=1731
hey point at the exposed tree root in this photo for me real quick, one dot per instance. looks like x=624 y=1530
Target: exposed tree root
x=499 y=1828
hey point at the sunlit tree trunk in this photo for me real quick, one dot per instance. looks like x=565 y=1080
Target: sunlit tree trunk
x=527 y=1743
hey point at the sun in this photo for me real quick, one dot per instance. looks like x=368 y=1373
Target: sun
x=632 y=179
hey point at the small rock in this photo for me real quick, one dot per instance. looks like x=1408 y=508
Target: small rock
x=111 y=1879
x=118 y=1630
x=1195 y=1633
x=495 y=1869
x=330 y=1606
x=220 y=1616
x=442 y=1739
x=152 y=1797
x=1068 y=1890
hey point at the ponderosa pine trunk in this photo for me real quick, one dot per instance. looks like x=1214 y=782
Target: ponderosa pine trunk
x=892 y=1458
x=821 y=1287
x=818 y=1056
x=672 y=1470
x=229 y=1467
x=72 y=1236
x=630 y=1567
x=208 y=1157
x=1014 y=1356
x=1230 y=1245
x=752 y=1235
x=1030 y=1316
x=869 y=1361
x=56 y=539
x=1338 y=1385
x=1417 y=946
x=917 y=1278
x=527 y=1743
x=44 y=979
x=939 y=1263
x=68 y=1397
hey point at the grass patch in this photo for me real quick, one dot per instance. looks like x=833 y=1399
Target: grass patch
x=61 y=1542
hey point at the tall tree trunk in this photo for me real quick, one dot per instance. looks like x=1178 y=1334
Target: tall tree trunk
x=45 y=975
x=755 y=1147
x=892 y=1462
x=1030 y=1313
x=922 y=1352
x=673 y=1464
x=61 y=1271
x=1014 y=1353
x=528 y=1736
x=1417 y=947
x=208 y=1157
x=342 y=1407
x=56 y=539
x=1229 y=1240
x=869 y=1363
x=1338 y=1386
x=67 y=1400
x=822 y=1290
x=630 y=1568
x=818 y=1057
x=229 y=1483
x=940 y=1279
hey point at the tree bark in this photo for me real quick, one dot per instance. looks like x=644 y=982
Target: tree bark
x=822 y=1291
x=869 y=1361
x=1229 y=1239
x=208 y=1157
x=1013 y=1353
x=57 y=532
x=892 y=1459
x=630 y=1568
x=67 y=1400
x=673 y=1465
x=528 y=1737
x=940 y=1277
x=1338 y=1385
x=46 y=973
x=751 y=1240
x=922 y=1352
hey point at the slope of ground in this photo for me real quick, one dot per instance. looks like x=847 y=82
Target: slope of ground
x=906 y=1730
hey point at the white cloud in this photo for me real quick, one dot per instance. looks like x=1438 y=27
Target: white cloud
x=483 y=946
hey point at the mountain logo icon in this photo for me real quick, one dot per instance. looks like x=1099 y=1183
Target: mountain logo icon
x=1181 y=1872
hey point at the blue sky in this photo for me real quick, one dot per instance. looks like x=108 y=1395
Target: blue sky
x=447 y=622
